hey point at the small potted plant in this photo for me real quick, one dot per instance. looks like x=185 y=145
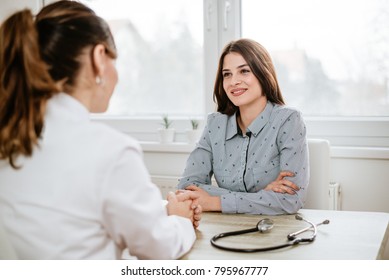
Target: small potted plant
x=193 y=134
x=195 y=124
x=166 y=132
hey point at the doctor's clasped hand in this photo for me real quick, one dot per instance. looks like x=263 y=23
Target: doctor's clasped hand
x=185 y=204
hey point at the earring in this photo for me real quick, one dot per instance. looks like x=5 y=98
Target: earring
x=99 y=80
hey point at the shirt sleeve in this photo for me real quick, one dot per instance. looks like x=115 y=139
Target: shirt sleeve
x=293 y=149
x=198 y=170
x=134 y=216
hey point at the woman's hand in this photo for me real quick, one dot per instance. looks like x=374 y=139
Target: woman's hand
x=185 y=204
x=282 y=185
x=207 y=202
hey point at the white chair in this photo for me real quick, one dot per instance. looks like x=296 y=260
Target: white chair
x=319 y=164
x=6 y=250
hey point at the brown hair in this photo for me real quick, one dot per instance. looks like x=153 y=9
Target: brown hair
x=262 y=66
x=35 y=58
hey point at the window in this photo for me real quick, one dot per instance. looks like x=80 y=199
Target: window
x=160 y=62
x=331 y=57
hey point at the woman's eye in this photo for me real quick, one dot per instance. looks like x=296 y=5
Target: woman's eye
x=245 y=71
x=225 y=75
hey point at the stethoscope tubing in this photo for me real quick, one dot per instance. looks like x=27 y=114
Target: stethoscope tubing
x=231 y=233
x=291 y=237
x=311 y=227
x=249 y=250
x=253 y=250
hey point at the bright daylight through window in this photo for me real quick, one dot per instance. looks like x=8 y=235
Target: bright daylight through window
x=160 y=63
x=332 y=57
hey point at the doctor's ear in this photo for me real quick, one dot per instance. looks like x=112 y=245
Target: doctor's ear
x=98 y=60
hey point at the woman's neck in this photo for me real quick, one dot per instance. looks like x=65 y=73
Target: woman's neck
x=247 y=114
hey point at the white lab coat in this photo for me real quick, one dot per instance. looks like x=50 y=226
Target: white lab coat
x=86 y=194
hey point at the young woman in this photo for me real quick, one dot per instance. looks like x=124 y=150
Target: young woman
x=70 y=188
x=254 y=146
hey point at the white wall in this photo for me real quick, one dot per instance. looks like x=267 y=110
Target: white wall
x=364 y=183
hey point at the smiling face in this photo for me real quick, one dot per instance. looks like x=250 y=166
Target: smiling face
x=240 y=83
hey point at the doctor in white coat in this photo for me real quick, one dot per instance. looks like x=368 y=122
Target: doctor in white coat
x=70 y=188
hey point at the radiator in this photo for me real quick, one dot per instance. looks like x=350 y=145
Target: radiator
x=165 y=183
x=169 y=183
x=334 y=197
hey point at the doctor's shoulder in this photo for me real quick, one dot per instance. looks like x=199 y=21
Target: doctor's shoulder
x=111 y=139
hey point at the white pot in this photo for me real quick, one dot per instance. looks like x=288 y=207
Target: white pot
x=193 y=135
x=166 y=135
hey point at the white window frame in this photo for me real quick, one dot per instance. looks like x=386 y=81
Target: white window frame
x=221 y=25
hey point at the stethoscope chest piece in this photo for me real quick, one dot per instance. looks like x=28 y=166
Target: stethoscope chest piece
x=265 y=225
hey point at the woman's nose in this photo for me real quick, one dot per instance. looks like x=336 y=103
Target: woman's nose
x=235 y=80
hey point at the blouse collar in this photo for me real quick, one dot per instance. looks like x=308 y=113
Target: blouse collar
x=255 y=127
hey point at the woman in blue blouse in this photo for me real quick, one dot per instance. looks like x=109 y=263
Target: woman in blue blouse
x=255 y=147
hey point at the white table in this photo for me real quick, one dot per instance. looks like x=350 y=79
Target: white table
x=349 y=235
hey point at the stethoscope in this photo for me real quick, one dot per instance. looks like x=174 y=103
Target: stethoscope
x=265 y=225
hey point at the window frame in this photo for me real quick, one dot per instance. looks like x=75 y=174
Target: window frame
x=221 y=25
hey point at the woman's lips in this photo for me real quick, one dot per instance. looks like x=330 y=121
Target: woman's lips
x=238 y=91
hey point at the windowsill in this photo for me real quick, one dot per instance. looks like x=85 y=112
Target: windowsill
x=175 y=147
x=360 y=152
x=336 y=151
x=361 y=135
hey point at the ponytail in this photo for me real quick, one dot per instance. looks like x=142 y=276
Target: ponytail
x=25 y=86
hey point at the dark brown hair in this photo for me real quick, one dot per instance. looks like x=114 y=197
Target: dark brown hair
x=36 y=57
x=260 y=63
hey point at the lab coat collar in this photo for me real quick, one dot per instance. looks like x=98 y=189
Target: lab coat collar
x=66 y=107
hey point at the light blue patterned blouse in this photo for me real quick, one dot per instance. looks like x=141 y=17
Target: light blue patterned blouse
x=243 y=165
